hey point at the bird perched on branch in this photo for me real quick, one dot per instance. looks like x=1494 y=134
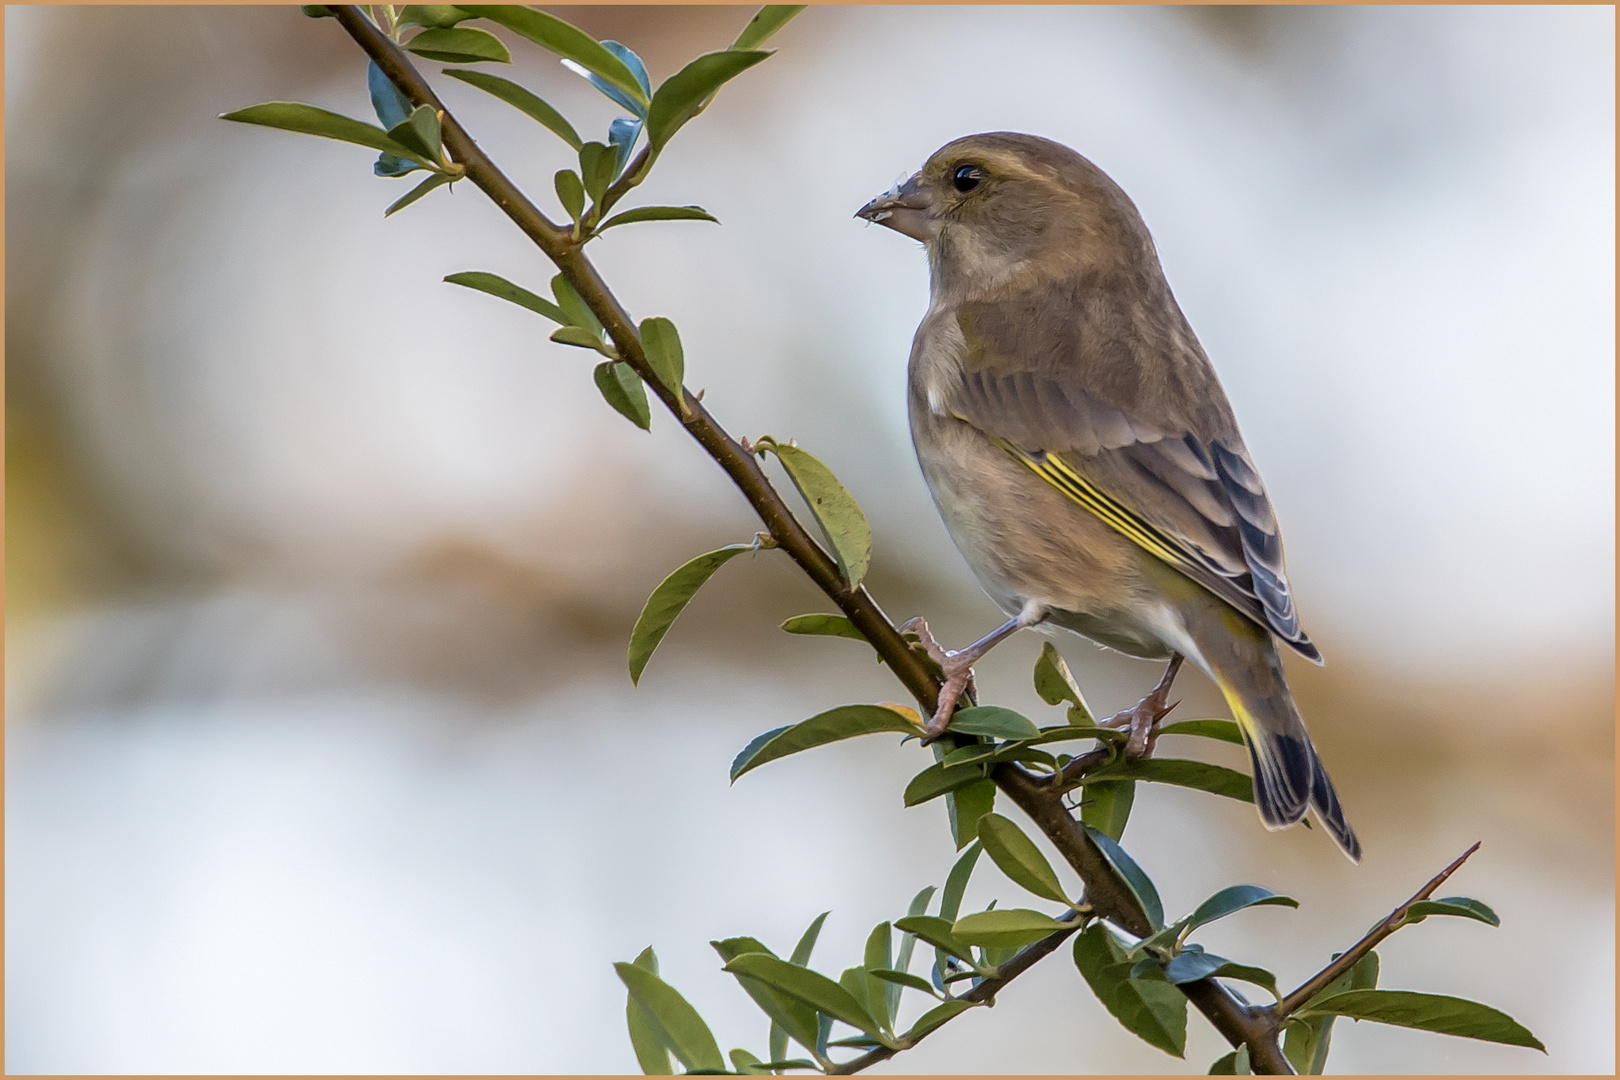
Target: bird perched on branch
x=1082 y=453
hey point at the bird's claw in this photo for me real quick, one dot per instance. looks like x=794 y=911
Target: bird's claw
x=1142 y=719
x=958 y=677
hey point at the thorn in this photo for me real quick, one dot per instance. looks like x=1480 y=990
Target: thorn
x=699 y=395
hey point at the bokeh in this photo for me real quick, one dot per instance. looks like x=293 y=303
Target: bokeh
x=320 y=750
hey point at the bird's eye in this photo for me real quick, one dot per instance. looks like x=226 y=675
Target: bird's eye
x=966 y=177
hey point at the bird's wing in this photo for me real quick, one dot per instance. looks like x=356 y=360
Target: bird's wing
x=1191 y=498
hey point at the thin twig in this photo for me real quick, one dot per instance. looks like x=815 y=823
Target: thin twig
x=987 y=989
x=1347 y=959
x=1107 y=894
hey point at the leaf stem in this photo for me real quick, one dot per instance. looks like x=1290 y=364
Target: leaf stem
x=1347 y=959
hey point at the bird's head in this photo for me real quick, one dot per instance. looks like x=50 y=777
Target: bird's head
x=990 y=206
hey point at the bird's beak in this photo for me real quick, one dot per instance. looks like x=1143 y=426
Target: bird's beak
x=905 y=209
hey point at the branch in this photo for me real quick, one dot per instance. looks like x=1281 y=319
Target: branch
x=987 y=989
x=1347 y=959
x=1105 y=892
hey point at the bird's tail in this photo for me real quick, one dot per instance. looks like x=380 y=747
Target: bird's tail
x=1288 y=775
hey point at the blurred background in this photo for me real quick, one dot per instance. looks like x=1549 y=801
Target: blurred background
x=321 y=754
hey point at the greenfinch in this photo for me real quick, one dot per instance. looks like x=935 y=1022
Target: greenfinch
x=1082 y=453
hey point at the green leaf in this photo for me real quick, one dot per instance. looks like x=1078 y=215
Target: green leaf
x=879 y=955
x=495 y=285
x=463 y=46
x=1306 y=1042
x=939 y=779
x=810 y=987
x=1192 y=965
x=309 y=120
x=662 y=344
x=766 y=21
x=1055 y=684
x=686 y=93
x=965 y=806
x=621 y=388
x=956 y=883
x=570 y=193
x=746 y=1064
x=1215 y=779
x=1019 y=858
x=440 y=16
x=789 y=1016
x=521 y=99
x=1234 y=898
x=844 y=722
x=807 y=941
x=1426 y=1012
x=1154 y=1011
x=1139 y=883
x=596 y=163
x=937 y=932
x=316 y=11
x=1106 y=806
x=842 y=523
x=992 y=721
x=573 y=305
x=419 y=133
x=778 y=1064
x=434 y=181
x=670 y=599
x=651 y=1053
x=581 y=338
x=1465 y=906
x=1244 y=973
x=904 y=978
x=908 y=942
x=658 y=213
x=566 y=40
x=677 y=1024
x=824 y=625
x=936 y=1016
x=1234 y=1064
x=1003 y=928
x=1224 y=730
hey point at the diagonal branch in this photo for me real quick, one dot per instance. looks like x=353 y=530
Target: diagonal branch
x=1105 y=892
x=1347 y=959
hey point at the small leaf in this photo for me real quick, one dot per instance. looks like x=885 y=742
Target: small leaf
x=844 y=722
x=498 y=286
x=1426 y=1012
x=956 y=883
x=567 y=41
x=622 y=135
x=391 y=106
x=1055 y=684
x=658 y=213
x=617 y=96
x=746 y=1064
x=1215 y=779
x=435 y=181
x=908 y=942
x=662 y=344
x=1006 y=928
x=419 y=133
x=596 y=164
x=1154 y=1011
x=1234 y=898
x=439 y=16
x=1192 y=965
x=687 y=92
x=521 y=99
x=392 y=167
x=669 y=599
x=1106 y=806
x=1307 y=1042
x=778 y=1064
x=1244 y=973
x=1138 y=882
x=965 y=806
x=807 y=941
x=1224 y=730
x=936 y=1016
x=1019 y=858
x=578 y=312
x=651 y=1053
x=678 y=1024
x=994 y=722
x=939 y=779
x=824 y=625
x=1464 y=906
x=842 y=523
x=570 y=193
x=937 y=932
x=309 y=120
x=629 y=382
x=810 y=987
x=789 y=1016
x=1234 y=1064
x=878 y=955
x=904 y=978
x=766 y=21
x=459 y=46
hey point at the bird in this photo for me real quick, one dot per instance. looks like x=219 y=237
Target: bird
x=1083 y=455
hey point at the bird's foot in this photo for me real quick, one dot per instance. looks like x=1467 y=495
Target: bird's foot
x=1142 y=719
x=957 y=667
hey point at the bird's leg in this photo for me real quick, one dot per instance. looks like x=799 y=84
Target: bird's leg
x=957 y=665
x=1143 y=718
